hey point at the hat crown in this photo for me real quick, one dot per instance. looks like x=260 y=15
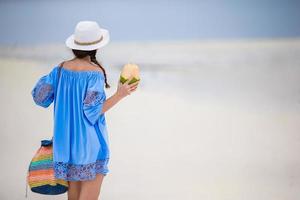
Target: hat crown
x=87 y=31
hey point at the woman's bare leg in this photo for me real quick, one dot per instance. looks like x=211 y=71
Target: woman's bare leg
x=74 y=190
x=91 y=189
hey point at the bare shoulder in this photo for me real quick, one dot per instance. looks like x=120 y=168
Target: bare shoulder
x=95 y=67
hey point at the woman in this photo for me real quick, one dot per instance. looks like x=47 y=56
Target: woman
x=80 y=140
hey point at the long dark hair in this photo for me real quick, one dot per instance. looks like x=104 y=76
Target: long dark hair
x=92 y=54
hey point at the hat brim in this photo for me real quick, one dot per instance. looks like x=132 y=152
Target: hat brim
x=71 y=44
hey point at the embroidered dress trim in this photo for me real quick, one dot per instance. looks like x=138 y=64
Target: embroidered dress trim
x=92 y=98
x=73 y=172
x=42 y=92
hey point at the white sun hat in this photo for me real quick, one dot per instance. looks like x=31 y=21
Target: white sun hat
x=88 y=36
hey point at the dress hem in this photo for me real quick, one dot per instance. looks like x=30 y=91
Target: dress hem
x=80 y=172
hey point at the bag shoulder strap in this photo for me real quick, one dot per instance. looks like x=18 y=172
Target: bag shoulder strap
x=58 y=77
x=59 y=69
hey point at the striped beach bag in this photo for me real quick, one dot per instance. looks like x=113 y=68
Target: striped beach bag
x=40 y=176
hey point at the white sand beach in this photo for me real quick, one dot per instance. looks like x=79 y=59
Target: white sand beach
x=211 y=120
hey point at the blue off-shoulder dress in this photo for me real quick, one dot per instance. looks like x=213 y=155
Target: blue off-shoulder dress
x=80 y=139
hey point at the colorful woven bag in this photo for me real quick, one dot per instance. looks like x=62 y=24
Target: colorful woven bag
x=40 y=174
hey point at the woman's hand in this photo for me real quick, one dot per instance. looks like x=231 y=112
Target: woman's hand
x=125 y=89
x=122 y=91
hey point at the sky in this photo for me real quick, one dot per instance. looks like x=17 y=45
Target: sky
x=43 y=21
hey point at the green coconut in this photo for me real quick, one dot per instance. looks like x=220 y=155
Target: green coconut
x=130 y=71
x=133 y=80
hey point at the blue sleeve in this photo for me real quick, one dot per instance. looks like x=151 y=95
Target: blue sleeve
x=94 y=99
x=43 y=91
